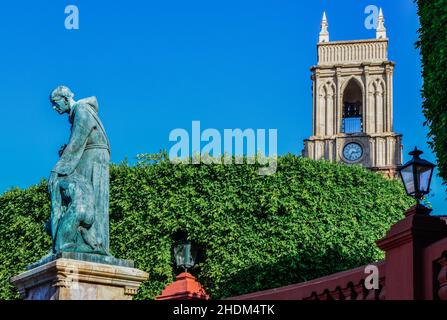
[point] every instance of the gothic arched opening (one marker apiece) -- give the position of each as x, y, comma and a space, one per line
352, 121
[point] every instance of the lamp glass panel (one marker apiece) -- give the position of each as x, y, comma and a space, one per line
408, 179
424, 174
185, 255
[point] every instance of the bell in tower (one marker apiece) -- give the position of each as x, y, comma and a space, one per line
352, 121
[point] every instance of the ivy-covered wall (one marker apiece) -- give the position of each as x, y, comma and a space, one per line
310, 219
433, 45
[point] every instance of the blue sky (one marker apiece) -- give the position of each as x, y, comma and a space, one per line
158, 65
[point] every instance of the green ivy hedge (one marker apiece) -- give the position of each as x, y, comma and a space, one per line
310, 219
433, 45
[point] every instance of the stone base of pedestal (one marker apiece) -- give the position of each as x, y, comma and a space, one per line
67, 279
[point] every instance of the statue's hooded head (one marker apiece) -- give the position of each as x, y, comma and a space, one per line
62, 99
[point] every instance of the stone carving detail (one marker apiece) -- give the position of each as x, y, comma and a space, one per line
326, 119
378, 115
130, 291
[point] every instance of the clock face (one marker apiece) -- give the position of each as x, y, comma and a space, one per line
352, 151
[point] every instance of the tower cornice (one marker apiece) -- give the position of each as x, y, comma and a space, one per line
351, 41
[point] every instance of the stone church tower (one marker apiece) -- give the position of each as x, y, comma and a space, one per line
352, 88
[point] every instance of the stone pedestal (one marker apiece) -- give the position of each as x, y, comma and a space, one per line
69, 279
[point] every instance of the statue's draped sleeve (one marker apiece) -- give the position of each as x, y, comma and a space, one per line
82, 126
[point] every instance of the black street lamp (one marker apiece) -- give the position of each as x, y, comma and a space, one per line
185, 253
416, 175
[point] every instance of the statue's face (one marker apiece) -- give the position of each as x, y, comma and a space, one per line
61, 106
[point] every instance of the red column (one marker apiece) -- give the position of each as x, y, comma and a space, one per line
403, 245
186, 287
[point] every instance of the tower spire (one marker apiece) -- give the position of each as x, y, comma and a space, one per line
381, 30
324, 33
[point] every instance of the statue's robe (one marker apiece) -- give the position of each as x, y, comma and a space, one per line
80, 202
